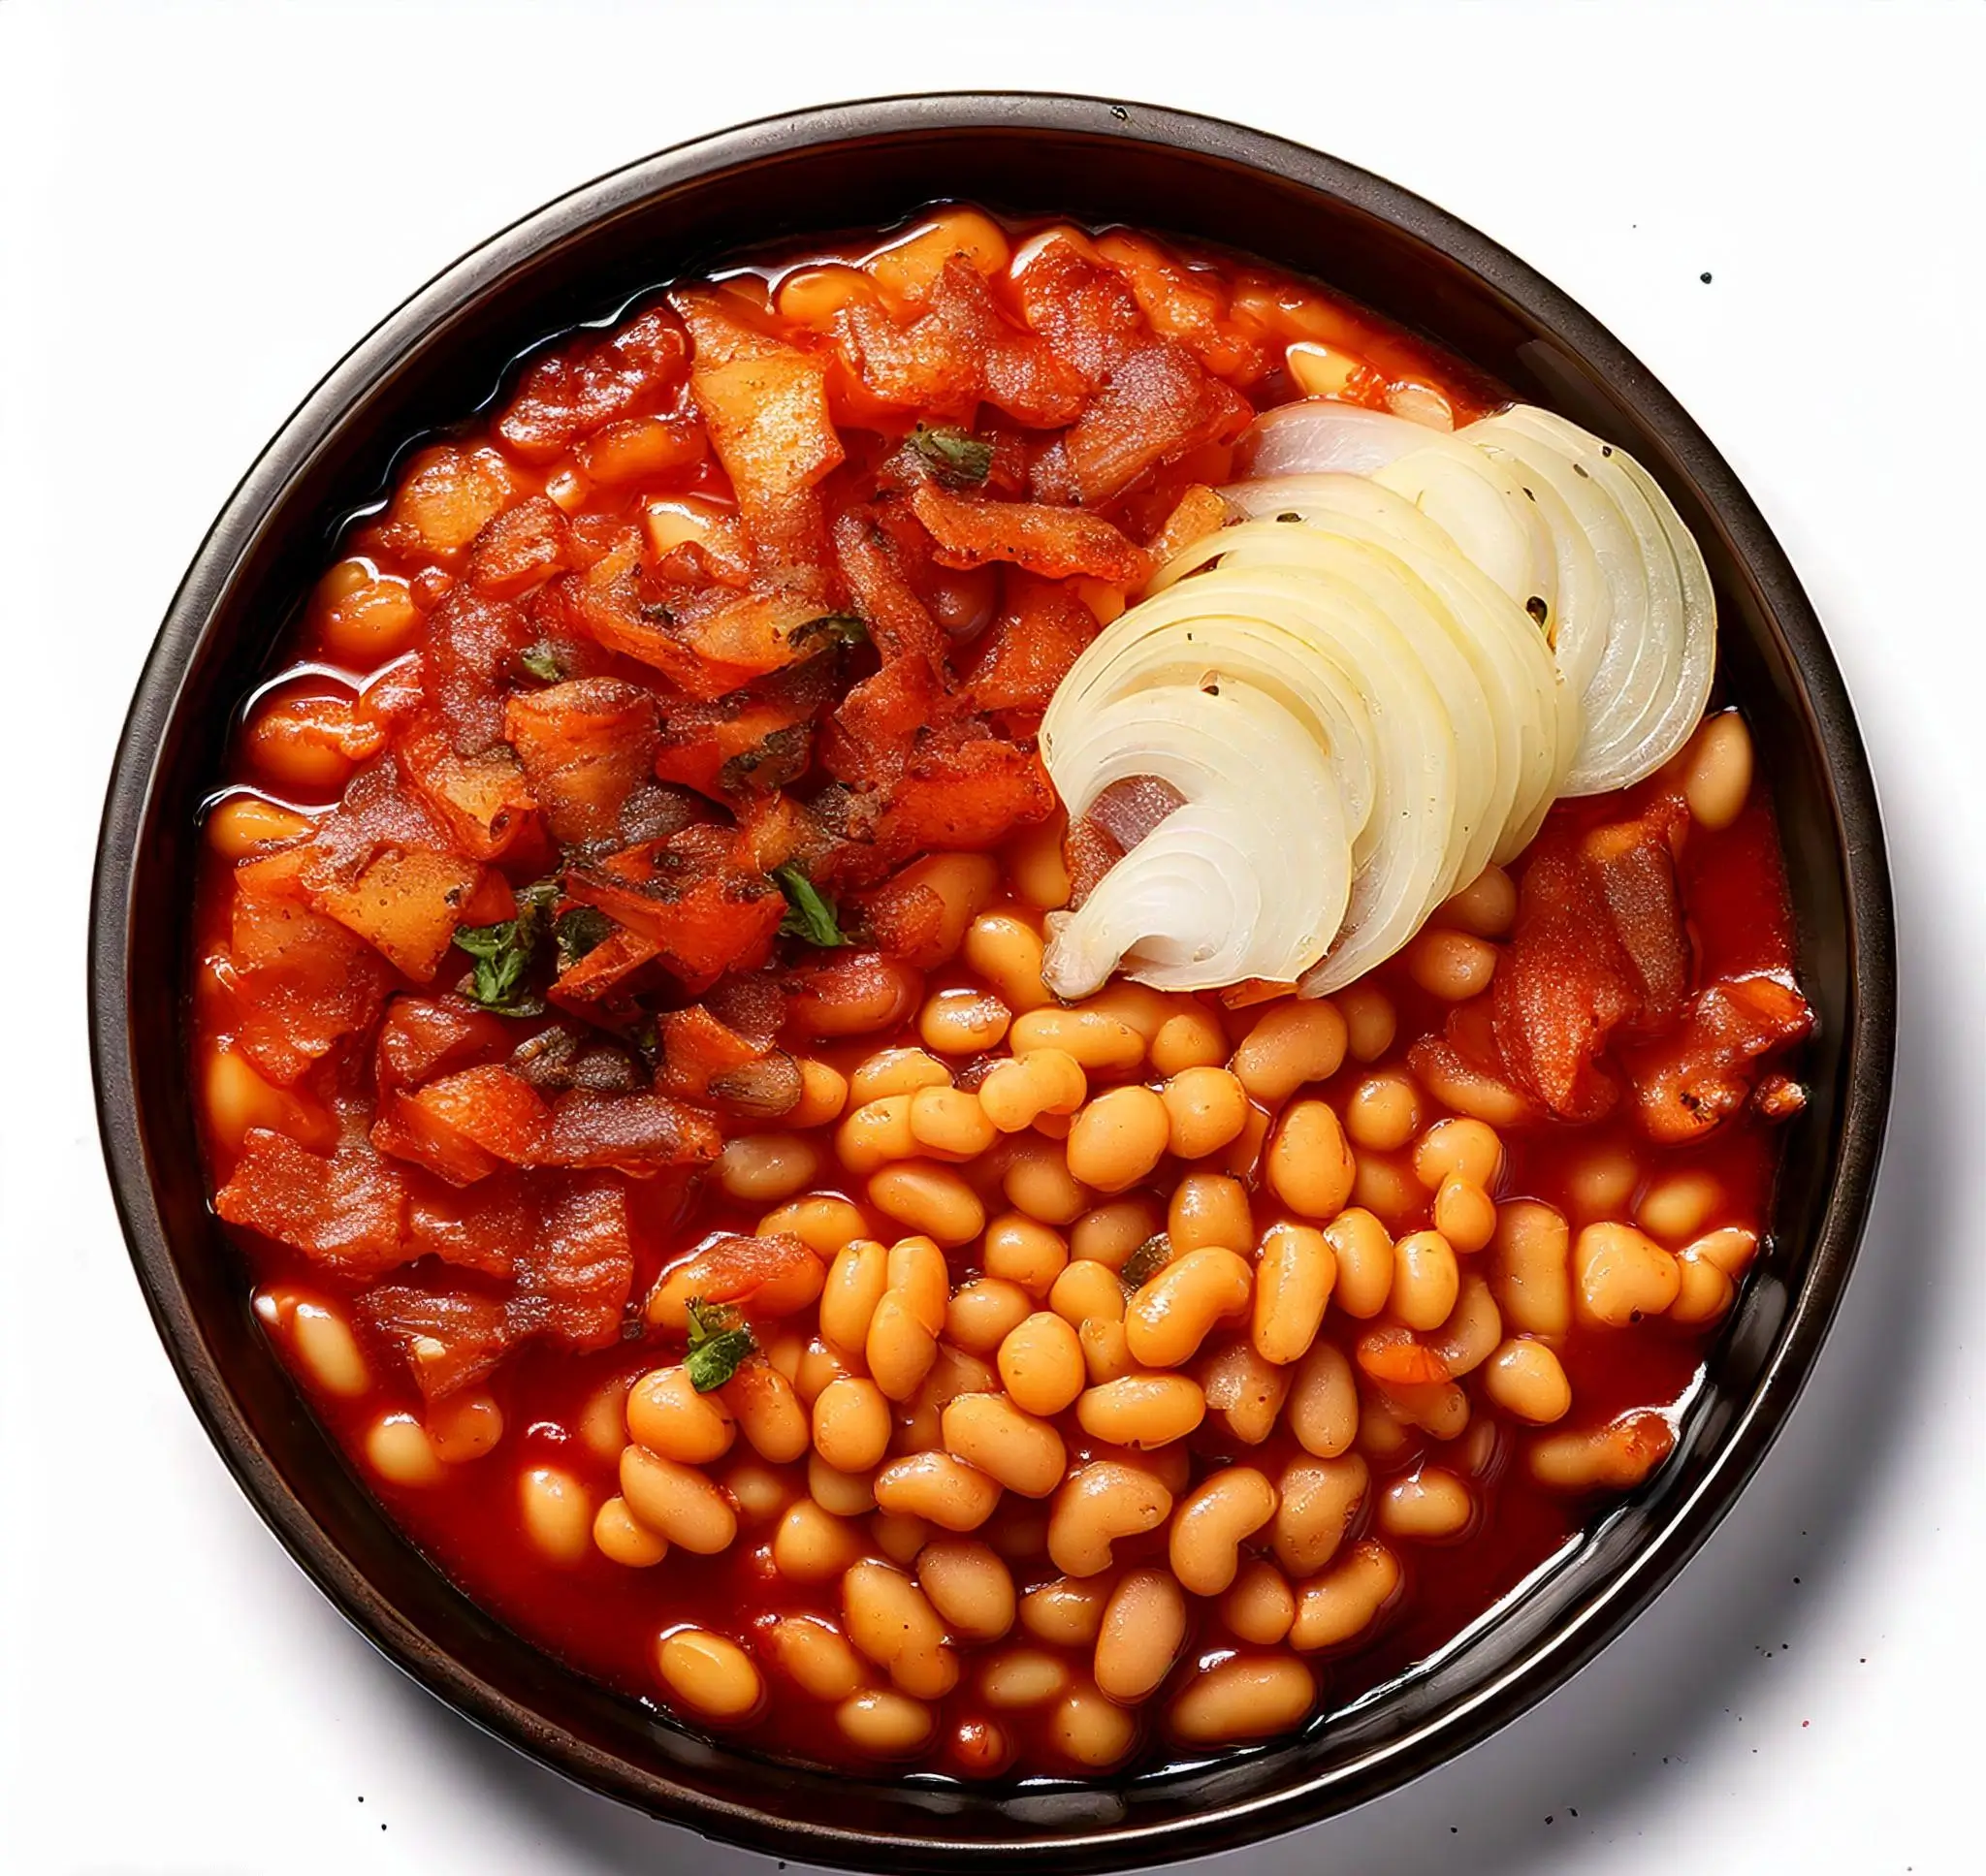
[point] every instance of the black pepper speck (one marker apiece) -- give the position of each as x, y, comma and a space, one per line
1705, 278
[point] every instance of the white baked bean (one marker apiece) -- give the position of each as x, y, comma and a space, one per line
843, 1494
984, 1313
1716, 772
1006, 950
950, 1122
397, 1448
1383, 1113
1091, 1731
1371, 1021
1145, 1629
1102, 1502
962, 1022
939, 1488
760, 1492
1616, 1457
1531, 1270
1105, 1351
823, 1224
1042, 1364
677, 1502
1118, 1138
1092, 1039
855, 1283
1037, 1182
1429, 1506
1022, 1677
1190, 1038
969, 1586
767, 1412
1425, 1280
1473, 1329
896, 1071
1602, 1184
815, 1656
1024, 1251
1244, 1394
1294, 1274
464, 1427
1211, 1524
875, 1132
1679, 1206
1461, 1148
1345, 1602
1261, 1606
1486, 905
1170, 1317
759, 1168
666, 1414
1621, 1275
1317, 1501
710, 1673
1292, 1042
1141, 1410
1018, 1451
328, 1349
1021, 1090
823, 1094
1323, 1407
1107, 1234
1703, 1292
1364, 1249
1464, 1214
558, 1515
1527, 1380
1450, 964
891, 1620
1310, 1165
1247, 1697
886, 1724
624, 1539
1210, 1208
1085, 1292
930, 1198
852, 1424
1205, 1110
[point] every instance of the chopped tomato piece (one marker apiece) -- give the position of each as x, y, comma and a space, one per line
601, 982
1685, 1086
1053, 541
487, 1227
445, 501
482, 798
850, 993
472, 645
425, 1037
466, 1125
451, 1339
632, 1133
574, 1278
1158, 405
956, 794
1394, 1354
898, 620
302, 981
520, 549
346, 1210
754, 740
1042, 630
1085, 311
704, 1058
1634, 867
870, 736
573, 393
1020, 374
585, 746
407, 905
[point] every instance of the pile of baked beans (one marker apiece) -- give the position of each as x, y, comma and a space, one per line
1142, 1346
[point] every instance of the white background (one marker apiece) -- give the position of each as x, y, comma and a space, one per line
200, 206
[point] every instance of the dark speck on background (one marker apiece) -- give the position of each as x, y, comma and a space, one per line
1705, 278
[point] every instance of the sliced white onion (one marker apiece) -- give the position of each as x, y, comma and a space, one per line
1248, 878
1319, 433
1538, 719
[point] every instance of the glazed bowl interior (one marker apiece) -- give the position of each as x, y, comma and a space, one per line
684, 211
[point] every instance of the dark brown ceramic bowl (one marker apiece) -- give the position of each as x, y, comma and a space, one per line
859, 165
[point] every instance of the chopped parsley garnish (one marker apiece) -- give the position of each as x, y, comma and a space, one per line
503, 954
809, 914
955, 453
719, 1345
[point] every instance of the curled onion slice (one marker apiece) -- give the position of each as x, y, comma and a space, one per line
1320, 433
1249, 877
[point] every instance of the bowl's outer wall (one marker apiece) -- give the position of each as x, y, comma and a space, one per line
863, 164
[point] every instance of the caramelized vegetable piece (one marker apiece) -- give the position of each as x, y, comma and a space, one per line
960, 793
520, 549
752, 740
573, 393
704, 1058
1041, 631
1686, 1087
638, 1134
585, 746
472, 645
1053, 541
451, 1339
302, 981
574, 1279
463, 1126
482, 798
1158, 405
345, 1209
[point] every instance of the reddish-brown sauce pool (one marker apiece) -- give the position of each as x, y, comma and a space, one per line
646, 536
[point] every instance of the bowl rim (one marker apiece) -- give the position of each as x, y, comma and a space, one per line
1547, 1661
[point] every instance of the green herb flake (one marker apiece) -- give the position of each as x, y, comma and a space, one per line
809, 914
955, 453
543, 662
1147, 1261
503, 954
719, 1345
578, 930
